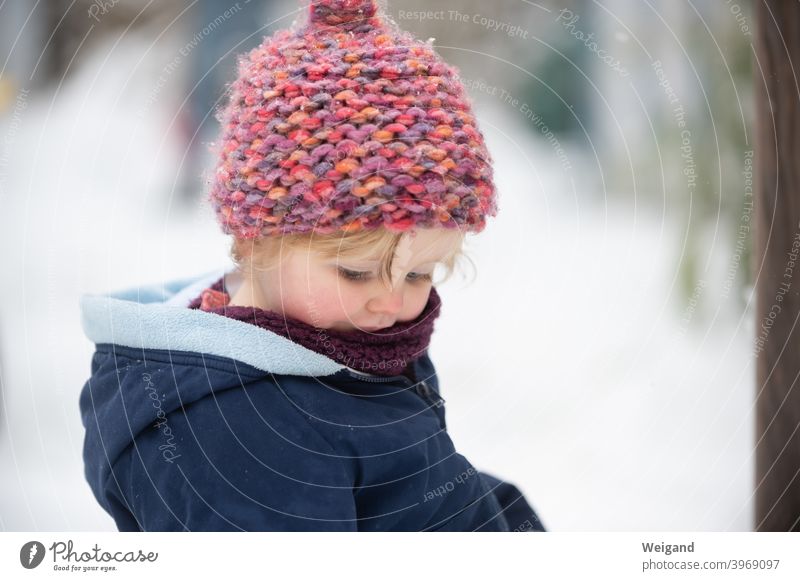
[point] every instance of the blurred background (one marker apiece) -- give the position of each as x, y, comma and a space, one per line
602, 357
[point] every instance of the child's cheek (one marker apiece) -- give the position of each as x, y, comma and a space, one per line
319, 305
415, 303
333, 305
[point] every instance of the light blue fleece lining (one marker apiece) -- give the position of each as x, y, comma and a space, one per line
156, 317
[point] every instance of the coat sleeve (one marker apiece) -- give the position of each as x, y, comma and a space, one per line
520, 515
231, 463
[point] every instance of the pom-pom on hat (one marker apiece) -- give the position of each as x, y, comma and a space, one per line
345, 122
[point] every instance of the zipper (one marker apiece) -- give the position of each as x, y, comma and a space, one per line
429, 394
422, 389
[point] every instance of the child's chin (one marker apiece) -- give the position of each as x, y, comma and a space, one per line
371, 329
337, 326
345, 327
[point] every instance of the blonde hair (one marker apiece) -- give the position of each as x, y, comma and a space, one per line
263, 254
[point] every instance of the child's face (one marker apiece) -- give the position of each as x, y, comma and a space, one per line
344, 293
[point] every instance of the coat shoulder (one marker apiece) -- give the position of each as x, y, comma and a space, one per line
224, 451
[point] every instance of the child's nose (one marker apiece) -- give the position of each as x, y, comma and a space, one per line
389, 301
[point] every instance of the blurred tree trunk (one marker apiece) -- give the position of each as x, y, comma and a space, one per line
777, 270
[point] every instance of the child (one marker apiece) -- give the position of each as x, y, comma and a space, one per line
295, 391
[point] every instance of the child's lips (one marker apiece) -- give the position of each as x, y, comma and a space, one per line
372, 328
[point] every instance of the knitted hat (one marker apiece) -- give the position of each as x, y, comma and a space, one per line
345, 122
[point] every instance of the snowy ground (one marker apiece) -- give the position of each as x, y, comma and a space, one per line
571, 366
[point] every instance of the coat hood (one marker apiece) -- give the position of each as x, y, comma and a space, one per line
148, 342
156, 317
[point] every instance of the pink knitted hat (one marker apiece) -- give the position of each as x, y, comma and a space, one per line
345, 122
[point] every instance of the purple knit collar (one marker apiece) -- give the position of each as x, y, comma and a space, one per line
386, 352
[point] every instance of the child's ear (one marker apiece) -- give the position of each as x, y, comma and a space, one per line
252, 254
242, 251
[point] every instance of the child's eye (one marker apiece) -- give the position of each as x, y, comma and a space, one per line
417, 276
353, 274
357, 275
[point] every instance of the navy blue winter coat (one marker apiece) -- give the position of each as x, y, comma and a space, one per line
199, 422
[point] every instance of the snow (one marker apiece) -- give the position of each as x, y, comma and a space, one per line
571, 366
590, 382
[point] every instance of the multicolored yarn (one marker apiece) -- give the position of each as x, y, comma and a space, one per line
347, 123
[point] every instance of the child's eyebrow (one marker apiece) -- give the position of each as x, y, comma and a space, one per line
357, 260
373, 263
